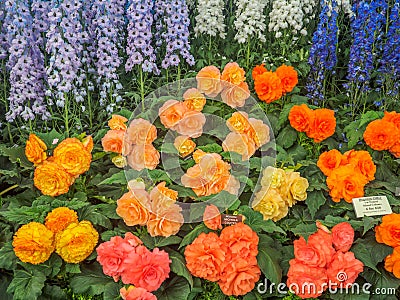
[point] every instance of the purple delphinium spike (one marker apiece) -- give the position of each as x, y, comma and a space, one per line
65, 45
139, 48
40, 13
389, 70
173, 26
25, 64
366, 29
108, 31
3, 38
323, 57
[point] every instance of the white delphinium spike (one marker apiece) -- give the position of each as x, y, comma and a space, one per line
210, 18
250, 20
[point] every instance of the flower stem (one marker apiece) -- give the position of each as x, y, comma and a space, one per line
8, 189
141, 87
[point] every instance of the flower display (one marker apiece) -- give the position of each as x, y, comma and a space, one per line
323, 258
384, 134
280, 190
33, 243
318, 124
347, 174
229, 259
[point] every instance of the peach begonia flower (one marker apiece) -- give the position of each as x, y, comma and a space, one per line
238, 122
232, 74
113, 141
133, 207
209, 81
236, 95
135, 293
143, 156
141, 132
35, 150
165, 222
171, 113
184, 145
212, 217
191, 124
117, 122
194, 99
239, 143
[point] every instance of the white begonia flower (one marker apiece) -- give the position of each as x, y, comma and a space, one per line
250, 20
210, 18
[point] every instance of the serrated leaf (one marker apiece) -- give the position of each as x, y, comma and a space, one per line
168, 148
91, 281
7, 257
363, 254
90, 213
193, 234
53, 292
314, 201
17, 155
72, 268
211, 148
381, 280
50, 268
286, 137
159, 175
166, 241
49, 137
268, 260
111, 291
255, 220
26, 285
284, 114
369, 223
178, 265
25, 214
117, 178
176, 289
304, 230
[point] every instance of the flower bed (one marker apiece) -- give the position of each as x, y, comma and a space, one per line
199, 149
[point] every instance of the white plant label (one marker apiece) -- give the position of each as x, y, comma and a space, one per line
371, 206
